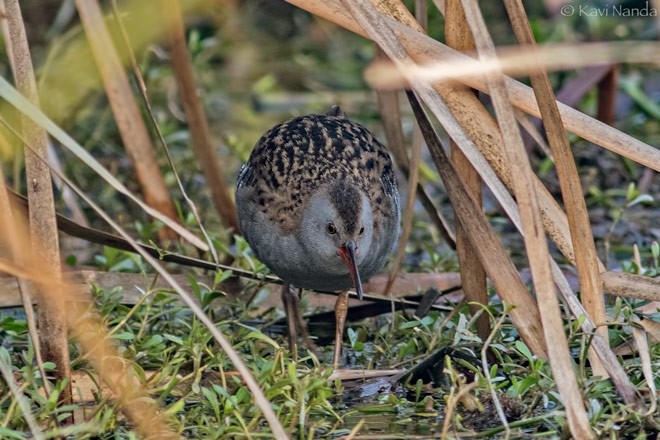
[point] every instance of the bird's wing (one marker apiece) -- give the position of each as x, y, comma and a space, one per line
388, 180
245, 176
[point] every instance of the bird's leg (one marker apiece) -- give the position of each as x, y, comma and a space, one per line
295, 324
291, 308
301, 327
341, 310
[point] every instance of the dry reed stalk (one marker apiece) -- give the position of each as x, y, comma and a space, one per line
607, 90
517, 61
479, 125
622, 284
43, 226
600, 344
127, 114
413, 184
586, 259
474, 119
196, 119
331, 11
15, 253
573, 90
413, 181
458, 36
388, 105
491, 253
536, 245
137, 75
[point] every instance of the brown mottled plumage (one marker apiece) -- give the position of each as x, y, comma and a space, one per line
318, 202
338, 148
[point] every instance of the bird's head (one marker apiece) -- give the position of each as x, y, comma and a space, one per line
336, 229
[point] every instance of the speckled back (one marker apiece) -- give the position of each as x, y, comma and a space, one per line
294, 158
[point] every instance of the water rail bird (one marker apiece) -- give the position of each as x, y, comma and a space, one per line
318, 203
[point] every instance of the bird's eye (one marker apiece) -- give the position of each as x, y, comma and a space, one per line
362, 230
331, 228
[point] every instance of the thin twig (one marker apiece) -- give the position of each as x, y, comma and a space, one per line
154, 123
486, 369
195, 117
131, 126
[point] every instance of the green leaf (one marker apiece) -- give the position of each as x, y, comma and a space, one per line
524, 350
222, 275
154, 340
177, 340
632, 192
4, 355
125, 336
633, 87
10, 433
410, 324
642, 198
212, 399
49, 366
352, 336
261, 337
176, 407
